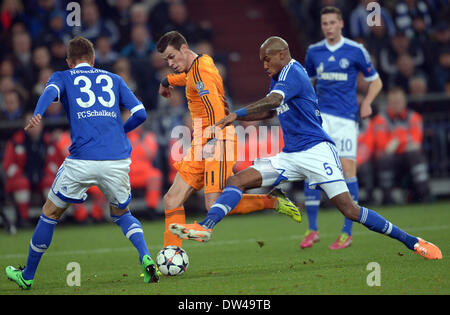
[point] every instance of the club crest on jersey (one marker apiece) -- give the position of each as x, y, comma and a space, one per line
344, 63
200, 86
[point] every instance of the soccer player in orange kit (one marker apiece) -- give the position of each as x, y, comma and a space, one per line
207, 105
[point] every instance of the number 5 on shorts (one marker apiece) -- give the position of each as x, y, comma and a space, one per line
327, 168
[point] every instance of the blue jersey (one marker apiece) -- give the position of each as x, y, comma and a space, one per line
299, 113
335, 69
91, 99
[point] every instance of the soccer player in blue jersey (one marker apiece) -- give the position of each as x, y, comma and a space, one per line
99, 154
309, 153
334, 64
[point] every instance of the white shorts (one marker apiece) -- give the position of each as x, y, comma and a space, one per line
319, 165
75, 177
344, 133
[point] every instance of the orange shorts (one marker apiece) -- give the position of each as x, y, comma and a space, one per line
210, 173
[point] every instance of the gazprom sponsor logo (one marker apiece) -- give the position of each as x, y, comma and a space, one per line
333, 76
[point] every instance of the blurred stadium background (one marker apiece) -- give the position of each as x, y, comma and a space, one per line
410, 50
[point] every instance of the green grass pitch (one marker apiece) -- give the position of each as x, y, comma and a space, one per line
255, 254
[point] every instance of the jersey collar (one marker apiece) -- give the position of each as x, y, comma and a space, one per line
336, 46
198, 56
285, 67
83, 64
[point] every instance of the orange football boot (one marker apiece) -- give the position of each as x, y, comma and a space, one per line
194, 231
427, 249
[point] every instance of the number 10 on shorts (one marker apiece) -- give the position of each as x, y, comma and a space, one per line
346, 145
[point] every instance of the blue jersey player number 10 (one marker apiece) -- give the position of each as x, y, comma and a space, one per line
334, 64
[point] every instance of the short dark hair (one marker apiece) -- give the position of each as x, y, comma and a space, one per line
173, 38
80, 48
330, 10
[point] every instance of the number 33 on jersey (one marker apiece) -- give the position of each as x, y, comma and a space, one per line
91, 99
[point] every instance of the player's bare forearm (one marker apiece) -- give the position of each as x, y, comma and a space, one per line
264, 105
372, 92
374, 88
259, 116
34, 121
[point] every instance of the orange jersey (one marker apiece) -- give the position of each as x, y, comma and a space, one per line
206, 97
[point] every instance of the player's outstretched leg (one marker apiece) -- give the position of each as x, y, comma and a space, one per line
150, 269
175, 215
254, 202
227, 201
132, 229
195, 231
285, 205
345, 239
15, 275
40, 242
202, 231
377, 223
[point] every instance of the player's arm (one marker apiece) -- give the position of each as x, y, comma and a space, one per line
260, 116
375, 87
138, 116
167, 84
364, 64
263, 106
130, 102
51, 93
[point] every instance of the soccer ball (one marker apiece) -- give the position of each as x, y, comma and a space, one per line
172, 261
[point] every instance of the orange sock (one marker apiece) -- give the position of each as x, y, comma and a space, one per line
175, 215
253, 202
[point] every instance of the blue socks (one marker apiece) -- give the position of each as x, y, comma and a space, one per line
43, 234
132, 229
40, 242
312, 203
377, 223
368, 218
227, 201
